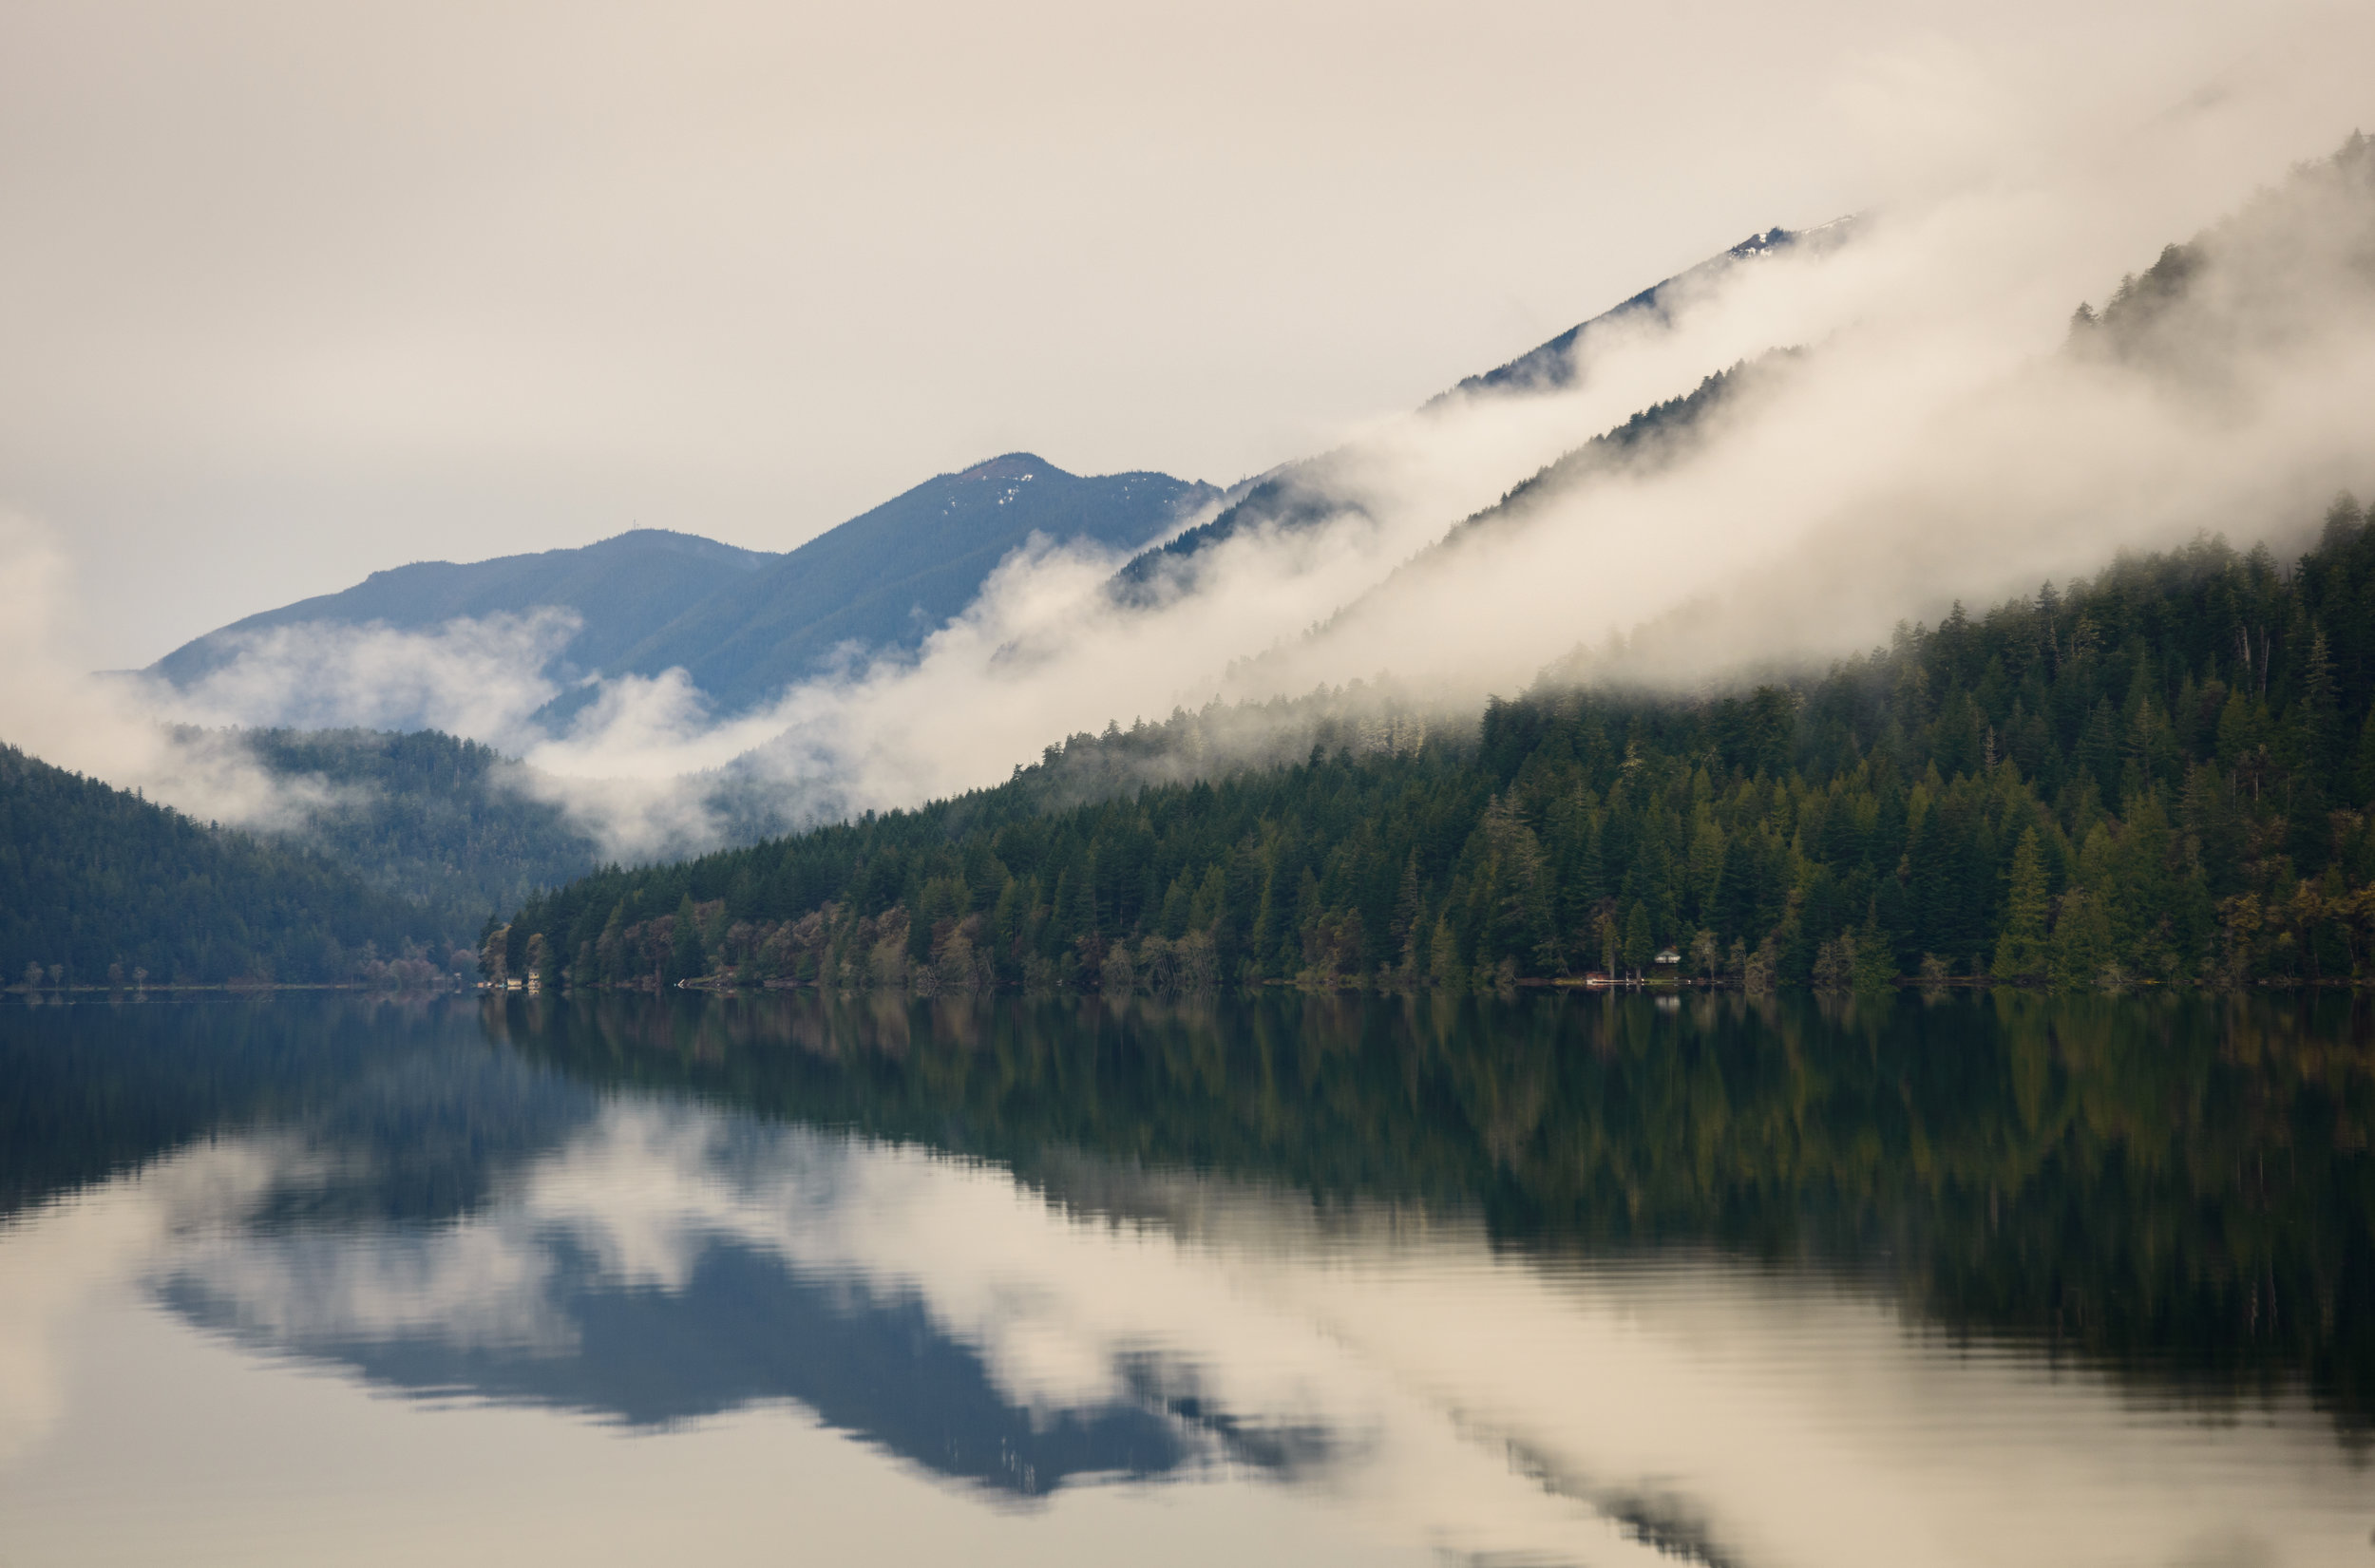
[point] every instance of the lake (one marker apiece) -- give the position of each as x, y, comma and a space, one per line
1746, 1283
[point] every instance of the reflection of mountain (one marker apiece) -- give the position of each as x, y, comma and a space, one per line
386, 1239
2180, 1188
2184, 1187
1462, 1265
740, 1328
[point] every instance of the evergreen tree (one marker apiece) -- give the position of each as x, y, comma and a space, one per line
1443, 965
2021, 950
1640, 944
2080, 946
1871, 964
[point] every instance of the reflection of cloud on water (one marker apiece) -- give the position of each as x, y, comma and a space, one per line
472, 1287
661, 1263
53, 1258
667, 1264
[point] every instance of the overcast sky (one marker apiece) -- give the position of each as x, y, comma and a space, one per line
292, 292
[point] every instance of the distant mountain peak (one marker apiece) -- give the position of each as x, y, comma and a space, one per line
672, 539
1300, 494
634, 541
1557, 365
1014, 465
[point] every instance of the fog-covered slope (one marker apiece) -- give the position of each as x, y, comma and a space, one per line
442, 822
1314, 489
1564, 360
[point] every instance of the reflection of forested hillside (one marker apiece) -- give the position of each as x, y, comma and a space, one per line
419, 1107
2178, 1187
2173, 1184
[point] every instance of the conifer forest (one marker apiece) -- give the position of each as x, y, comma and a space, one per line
2164, 775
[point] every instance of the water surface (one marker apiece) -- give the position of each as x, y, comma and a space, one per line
1567, 1279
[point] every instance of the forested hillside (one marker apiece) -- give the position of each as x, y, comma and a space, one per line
98, 886
440, 821
2164, 774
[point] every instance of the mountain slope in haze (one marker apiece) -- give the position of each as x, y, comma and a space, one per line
1308, 491
2278, 271
746, 623
889, 577
622, 588
1653, 439
2294, 266
1656, 437
1563, 361
1297, 495
92, 877
2165, 773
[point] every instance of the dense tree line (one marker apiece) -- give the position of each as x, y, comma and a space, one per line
2163, 774
100, 887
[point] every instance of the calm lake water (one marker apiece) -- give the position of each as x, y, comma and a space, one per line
1561, 1280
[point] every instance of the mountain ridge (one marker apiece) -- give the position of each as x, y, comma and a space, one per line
1297, 494
892, 575
746, 623
640, 567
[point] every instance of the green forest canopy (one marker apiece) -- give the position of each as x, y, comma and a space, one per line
2162, 774
447, 823
99, 886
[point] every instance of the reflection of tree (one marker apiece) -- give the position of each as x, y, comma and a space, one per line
2173, 1184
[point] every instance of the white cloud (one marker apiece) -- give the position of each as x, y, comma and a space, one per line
482, 678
